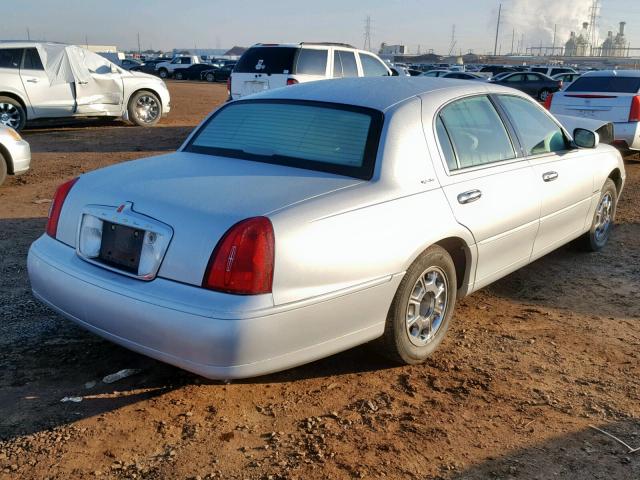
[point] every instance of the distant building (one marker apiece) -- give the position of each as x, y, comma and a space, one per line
392, 49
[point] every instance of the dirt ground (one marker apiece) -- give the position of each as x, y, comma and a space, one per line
529, 364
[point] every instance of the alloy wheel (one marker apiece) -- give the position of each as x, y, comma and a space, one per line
9, 115
147, 108
603, 217
426, 307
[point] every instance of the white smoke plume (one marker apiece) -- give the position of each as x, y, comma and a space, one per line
536, 19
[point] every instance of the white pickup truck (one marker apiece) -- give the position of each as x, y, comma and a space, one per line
166, 69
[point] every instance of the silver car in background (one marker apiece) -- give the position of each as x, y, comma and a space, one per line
15, 153
307, 220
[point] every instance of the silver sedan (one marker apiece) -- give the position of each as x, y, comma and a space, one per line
300, 222
15, 154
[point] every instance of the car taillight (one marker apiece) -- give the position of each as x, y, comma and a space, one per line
547, 102
292, 81
56, 206
634, 113
242, 262
229, 84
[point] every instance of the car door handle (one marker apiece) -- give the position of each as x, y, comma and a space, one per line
32, 80
470, 196
549, 176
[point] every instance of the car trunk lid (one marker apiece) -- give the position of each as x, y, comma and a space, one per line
199, 196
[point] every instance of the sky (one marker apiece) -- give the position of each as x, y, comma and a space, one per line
424, 24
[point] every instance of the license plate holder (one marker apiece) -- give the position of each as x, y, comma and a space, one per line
121, 246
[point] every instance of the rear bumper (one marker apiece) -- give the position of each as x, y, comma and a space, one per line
178, 324
627, 135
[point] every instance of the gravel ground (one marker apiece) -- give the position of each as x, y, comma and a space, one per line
529, 364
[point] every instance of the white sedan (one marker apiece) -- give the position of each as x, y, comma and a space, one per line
300, 222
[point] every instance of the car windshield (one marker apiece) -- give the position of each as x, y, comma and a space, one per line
267, 60
606, 84
326, 137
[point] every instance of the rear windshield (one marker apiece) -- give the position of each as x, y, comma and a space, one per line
605, 84
327, 137
269, 60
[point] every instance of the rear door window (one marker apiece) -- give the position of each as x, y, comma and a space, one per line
606, 84
515, 78
476, 131
10, 57
334, 138
344, 64
538, 133
372, 67
311, 62
32, 60
268, 60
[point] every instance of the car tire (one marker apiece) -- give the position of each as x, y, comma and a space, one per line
418, 308
145, 108
163, 73
3, 169
210, 77
178, 76
12, 114
603, 218
543, 94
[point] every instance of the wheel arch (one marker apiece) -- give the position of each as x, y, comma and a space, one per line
145, 89
18, 99
461, 252
616, 176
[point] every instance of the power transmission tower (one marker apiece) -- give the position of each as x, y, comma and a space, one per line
495, 45
367, 33
452, 45
592, 33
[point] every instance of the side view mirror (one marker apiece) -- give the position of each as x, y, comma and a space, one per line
584, 138
394, 73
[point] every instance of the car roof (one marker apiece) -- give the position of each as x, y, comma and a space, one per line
612, 73
25, 43
379, 93
301, 44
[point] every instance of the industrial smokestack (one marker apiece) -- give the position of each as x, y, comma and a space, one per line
622, 24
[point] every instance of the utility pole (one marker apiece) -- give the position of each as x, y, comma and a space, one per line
495, 45
367, 33
513, 37
553, 49
139, 49
28, 34
86, 41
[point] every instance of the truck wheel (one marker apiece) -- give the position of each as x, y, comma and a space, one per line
602, 224
145, 109
12, 114
422, 308
3, 169
163, 73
